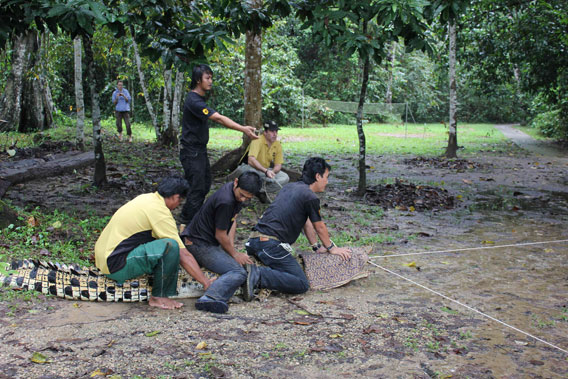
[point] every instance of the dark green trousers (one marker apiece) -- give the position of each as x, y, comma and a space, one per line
160, 258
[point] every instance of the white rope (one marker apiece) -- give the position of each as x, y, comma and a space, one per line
466, 249
470, 308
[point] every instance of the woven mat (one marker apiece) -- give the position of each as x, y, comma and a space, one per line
326, 271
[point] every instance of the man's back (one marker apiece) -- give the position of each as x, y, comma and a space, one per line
286, 216
217, 213
139, 221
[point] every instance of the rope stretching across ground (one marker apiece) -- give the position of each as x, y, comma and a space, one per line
458, 302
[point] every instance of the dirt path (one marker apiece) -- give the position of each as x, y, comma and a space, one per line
382, 326
526, 142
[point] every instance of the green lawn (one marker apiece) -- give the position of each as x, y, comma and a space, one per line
415, 139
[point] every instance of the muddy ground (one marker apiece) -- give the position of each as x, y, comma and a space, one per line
381, 326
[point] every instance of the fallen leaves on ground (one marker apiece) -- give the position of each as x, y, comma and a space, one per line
452, 164
409, 197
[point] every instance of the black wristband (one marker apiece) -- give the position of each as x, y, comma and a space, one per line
316, 246
328, 248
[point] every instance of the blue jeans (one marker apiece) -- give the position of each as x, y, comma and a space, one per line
232, 274
283, 273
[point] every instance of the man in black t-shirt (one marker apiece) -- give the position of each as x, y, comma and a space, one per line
295, 208
194, 138
210, 239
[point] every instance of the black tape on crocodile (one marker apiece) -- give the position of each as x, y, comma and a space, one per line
324, 271
74, 282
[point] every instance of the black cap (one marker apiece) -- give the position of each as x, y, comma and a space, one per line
271, 125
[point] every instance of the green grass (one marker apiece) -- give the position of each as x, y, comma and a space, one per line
415, 139
54, 235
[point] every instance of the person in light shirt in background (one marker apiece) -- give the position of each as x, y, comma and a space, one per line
121, 100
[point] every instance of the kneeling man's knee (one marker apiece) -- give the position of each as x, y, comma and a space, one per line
305, 285
172, 246
302, 286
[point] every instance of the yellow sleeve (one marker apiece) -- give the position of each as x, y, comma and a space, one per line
279, 155
165, 227
255, 147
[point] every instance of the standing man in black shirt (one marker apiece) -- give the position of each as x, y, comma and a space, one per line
295, 208
194, 138
210, 238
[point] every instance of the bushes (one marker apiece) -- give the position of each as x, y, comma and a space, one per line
549, 124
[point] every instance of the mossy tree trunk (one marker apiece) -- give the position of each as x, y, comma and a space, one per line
99, 178
452, 148
253, 96
24, 103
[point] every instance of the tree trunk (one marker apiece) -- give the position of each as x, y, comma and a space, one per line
79, 96
44, 84
168, 136
144, 88
10, 104
37, 168
253, 80
253, 96
23, 103
99, 178
176, 105
8, 216
362, 187
390, 68
452, 149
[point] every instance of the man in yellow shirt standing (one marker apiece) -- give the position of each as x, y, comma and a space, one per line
142, 238
265, 158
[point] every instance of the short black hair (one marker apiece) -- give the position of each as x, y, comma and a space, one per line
173, 185
313, 166
197, 74
250, 181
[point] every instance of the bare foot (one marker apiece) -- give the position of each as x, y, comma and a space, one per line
130, 139
164, 303
120, 137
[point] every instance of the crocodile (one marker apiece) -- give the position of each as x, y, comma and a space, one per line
70, 281
82, 283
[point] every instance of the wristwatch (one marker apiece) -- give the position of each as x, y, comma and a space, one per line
328, 248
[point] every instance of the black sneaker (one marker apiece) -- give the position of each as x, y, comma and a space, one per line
205, 303
248, 286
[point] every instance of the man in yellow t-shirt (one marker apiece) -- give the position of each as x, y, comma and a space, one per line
142, 238
265, 158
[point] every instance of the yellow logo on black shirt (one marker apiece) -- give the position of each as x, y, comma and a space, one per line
205, 111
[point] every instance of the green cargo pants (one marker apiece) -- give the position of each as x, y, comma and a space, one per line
159, 258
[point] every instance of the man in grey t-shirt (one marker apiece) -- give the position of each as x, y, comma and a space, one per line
296, 208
